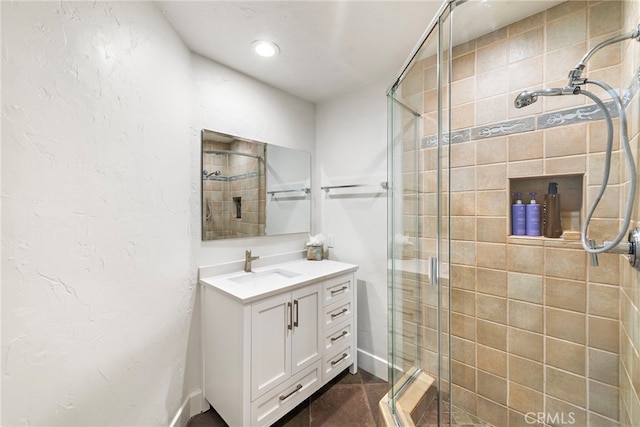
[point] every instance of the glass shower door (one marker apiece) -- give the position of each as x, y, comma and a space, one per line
418, 237
404, 265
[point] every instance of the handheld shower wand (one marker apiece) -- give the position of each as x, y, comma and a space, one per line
527, 98
573, 88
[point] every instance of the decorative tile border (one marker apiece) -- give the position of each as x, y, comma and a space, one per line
575, 115
232, 178
244, 176
217, 178
457, 136
505, 128
542, 121
632, 89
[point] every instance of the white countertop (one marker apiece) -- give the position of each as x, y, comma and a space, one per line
306, 272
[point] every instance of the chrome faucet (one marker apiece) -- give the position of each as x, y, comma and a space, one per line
247, 260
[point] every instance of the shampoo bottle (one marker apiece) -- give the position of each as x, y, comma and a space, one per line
518, 217
552, 224
533, 216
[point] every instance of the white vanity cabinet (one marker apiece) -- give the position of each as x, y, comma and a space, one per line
284, 337
338, 322
266, 352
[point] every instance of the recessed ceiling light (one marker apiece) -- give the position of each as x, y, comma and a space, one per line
265, 48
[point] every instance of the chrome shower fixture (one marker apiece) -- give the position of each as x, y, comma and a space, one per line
206, 174
527, 98
576, 80
575, 75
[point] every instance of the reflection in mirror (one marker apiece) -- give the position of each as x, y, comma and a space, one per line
233, 197
251, 188
288, 187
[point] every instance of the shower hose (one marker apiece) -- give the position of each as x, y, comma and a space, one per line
587, 244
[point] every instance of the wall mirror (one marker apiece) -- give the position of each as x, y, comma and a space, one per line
252, 188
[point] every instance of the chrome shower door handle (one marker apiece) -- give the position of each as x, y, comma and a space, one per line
434, 271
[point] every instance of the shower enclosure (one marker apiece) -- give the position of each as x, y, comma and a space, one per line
492, 328
233, 189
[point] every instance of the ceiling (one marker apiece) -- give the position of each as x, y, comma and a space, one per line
326, 47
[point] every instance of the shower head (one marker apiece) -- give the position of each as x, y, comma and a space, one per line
206, 174
527, 98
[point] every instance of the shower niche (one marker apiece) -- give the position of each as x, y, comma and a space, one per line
571, 191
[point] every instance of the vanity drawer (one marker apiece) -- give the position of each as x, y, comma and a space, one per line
337, 312
274, 404
338, 335
338, 288
335, 362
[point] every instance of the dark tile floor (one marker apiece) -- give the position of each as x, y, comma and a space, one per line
348, 400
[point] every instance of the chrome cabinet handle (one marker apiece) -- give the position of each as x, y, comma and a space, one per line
285, 396
344, 310
337, 291
335, 362
339, 336
290, 315
295, 304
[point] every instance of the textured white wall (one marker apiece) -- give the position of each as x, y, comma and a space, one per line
352, 149
101, 111
96, 165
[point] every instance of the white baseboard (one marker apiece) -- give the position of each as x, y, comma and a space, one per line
192, 405
373, 364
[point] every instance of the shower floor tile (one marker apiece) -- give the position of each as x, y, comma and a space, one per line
458, 417
348, 400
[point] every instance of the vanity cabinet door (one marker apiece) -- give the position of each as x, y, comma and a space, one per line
285, 337
306, 343
270, 343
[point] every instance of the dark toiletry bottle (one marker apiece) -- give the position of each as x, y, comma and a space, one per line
551, 212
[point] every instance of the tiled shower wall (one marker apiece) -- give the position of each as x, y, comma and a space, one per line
214, 221
240, 177
535, 329
629, 338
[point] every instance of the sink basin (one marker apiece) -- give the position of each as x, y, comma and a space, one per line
267, 277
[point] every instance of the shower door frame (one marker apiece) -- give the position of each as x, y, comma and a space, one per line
395, 200
440, 263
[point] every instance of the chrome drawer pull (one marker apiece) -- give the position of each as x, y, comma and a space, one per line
344, 310
298, 388
290, 316
335, 362
337, 291
339, 336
